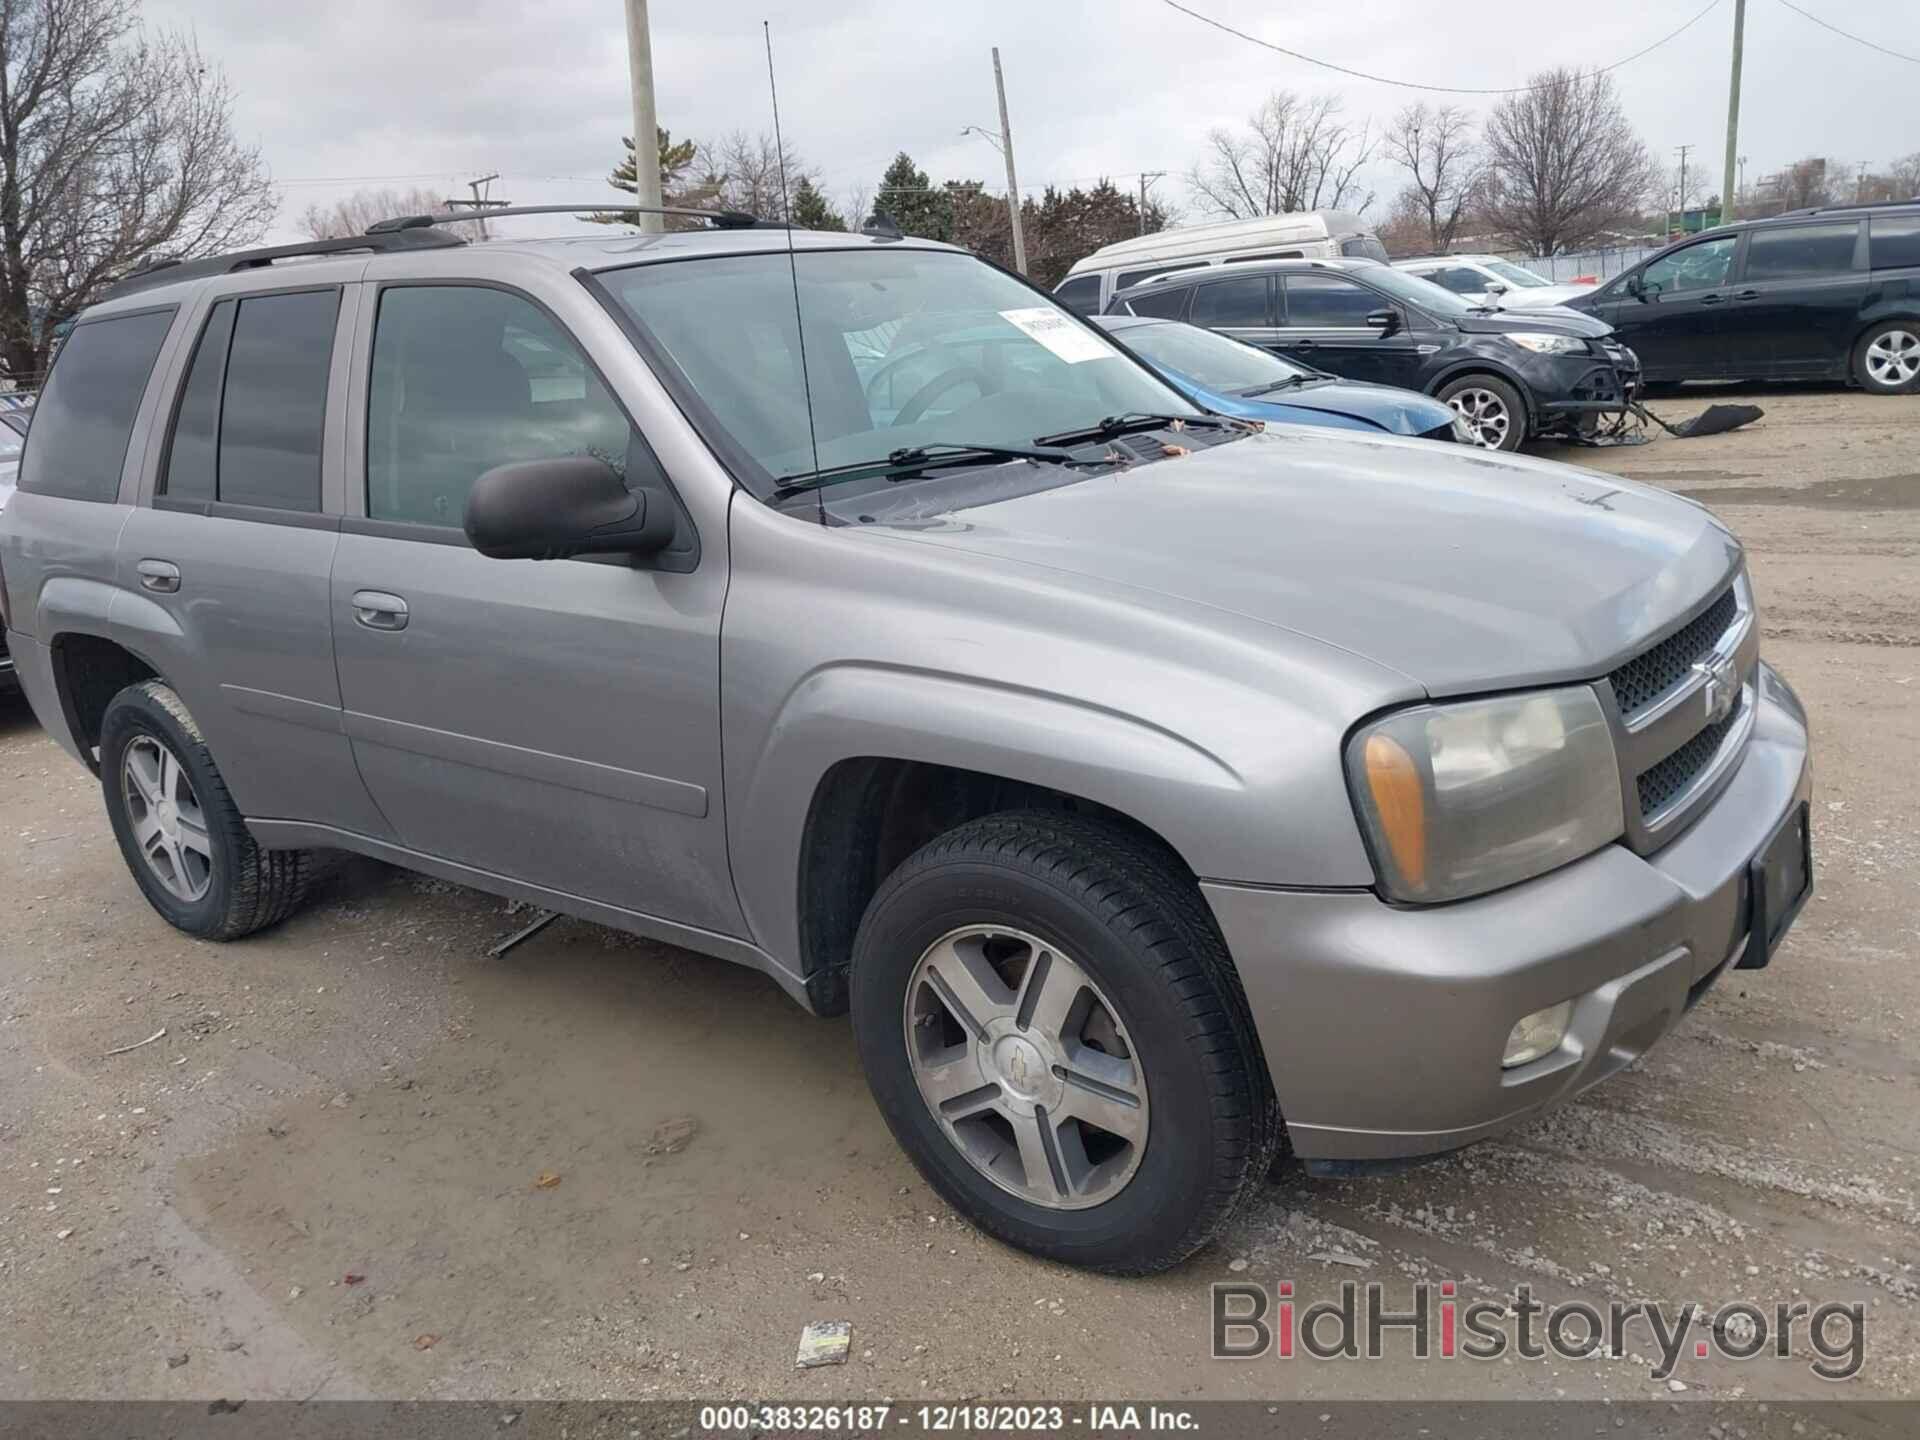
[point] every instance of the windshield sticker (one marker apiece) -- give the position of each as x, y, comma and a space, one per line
1060, 333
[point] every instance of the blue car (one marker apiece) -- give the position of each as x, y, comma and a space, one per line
1234, 378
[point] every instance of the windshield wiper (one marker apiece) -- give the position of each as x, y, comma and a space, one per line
1287, 384
1116, 425
916, 459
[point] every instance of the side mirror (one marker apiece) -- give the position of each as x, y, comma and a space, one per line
1385, 321
1496, 287
1635, 287
573, 505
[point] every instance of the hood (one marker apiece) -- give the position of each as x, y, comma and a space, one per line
1463, 570
1400, 412
1554, 318
1536, 296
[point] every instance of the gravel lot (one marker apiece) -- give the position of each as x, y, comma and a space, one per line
363, 1094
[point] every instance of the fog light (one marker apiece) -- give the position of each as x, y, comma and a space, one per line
1537, 1034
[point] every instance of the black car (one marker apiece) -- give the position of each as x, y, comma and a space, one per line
1831, 294
1510, 375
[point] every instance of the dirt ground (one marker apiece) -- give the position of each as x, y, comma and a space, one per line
322, 1181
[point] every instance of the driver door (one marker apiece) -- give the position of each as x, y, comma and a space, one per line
1677, 323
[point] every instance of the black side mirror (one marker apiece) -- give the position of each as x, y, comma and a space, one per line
1385, 321
573, 505
1635, 287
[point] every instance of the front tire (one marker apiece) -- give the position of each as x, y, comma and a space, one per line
1886, 360
179, 830
1493, 410
1052, 1027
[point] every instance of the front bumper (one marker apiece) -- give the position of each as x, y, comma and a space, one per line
1384, 1026
1569, 388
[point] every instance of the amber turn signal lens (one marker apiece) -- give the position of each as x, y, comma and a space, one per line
1394, 782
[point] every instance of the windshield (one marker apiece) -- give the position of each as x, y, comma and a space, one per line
1514, 275
1424, 293
1208, 359
904, 348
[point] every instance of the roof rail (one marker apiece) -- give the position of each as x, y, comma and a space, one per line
404, 224
1836, 209
169, 270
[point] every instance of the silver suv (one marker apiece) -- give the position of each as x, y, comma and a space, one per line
1155, 790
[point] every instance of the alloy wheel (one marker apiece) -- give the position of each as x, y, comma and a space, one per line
1027, 1066
169, 825
1894, 358
1486, 416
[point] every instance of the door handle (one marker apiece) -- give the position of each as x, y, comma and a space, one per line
378, 610
1714, 299
1746, 295
160, 576
1300, 344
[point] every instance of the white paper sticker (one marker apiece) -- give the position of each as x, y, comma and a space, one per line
1065, 337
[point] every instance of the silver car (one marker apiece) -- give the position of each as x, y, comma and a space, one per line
1156, 791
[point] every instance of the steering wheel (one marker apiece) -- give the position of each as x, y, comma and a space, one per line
946, 380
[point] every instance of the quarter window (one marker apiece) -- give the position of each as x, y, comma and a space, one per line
1326, 302
274, 410
84, 418
1133, 277
1081, 293
194, 451
1781, 252
466, 378
1894, 241
1230, 304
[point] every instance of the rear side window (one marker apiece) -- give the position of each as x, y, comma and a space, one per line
1457, 278
1162, 304
193, 452
1081, 293
1894, 241
1783, 252
275, 407
1229, 304
1134, 277
84, 418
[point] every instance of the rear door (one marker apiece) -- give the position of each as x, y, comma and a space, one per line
1798, 299
224, 574
1236, 305
555, 722
1324, 323
1677, 324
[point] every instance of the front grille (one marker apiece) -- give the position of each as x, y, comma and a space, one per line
1672, 775
1650, 674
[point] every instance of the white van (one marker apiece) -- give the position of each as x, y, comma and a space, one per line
1302, 235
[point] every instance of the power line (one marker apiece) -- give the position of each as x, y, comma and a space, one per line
1439, 89
1847, 34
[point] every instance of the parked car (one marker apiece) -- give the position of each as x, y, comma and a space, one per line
1325, 234
1826, 294
13, 434
1509, 377
1150, 788
1231, 377
1490, 280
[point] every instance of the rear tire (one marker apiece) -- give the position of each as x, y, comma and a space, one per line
1492, 409
179, 830
1886, 360
1088, 951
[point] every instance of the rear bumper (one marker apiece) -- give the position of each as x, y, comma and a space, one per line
1384, 1026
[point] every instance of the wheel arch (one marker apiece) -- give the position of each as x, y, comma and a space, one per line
89, 669
1873, 318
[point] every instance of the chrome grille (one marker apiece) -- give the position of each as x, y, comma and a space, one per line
1652, 673
1659, 785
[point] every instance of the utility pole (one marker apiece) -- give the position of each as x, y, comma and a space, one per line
480, 203
1682, 196
646, 141
1860, 184
1013, 185
1733, 111
1147, 177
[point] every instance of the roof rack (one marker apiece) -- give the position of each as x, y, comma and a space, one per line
170, 270
405, 224
1837, 209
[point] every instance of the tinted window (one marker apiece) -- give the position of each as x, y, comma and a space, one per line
1776, 253
1698, 267
1328, 301
1227, 303
84, 417
1134, 277
1894, 241
1163, 304
1081, 293
275, 407
467, 378
1366, 247
1457, 278
192, 453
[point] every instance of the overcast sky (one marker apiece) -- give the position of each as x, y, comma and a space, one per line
370, 93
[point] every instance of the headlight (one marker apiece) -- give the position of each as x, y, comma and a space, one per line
1463, 432
1460, 799
1542, 343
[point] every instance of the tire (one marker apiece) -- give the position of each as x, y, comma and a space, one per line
1492, 407
1886, 360
207, 876
1162, 1017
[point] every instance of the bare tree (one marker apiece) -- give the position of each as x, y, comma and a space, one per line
1436, 147
1295, 154
116, 146
1564, 164
743, 173
1904, 178
354, 214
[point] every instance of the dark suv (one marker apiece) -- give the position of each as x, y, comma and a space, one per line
1510, 375
1829, 294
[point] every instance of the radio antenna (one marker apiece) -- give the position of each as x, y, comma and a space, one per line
793, 270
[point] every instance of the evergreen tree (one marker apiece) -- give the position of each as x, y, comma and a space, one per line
676, 159
910, 199
811, 210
